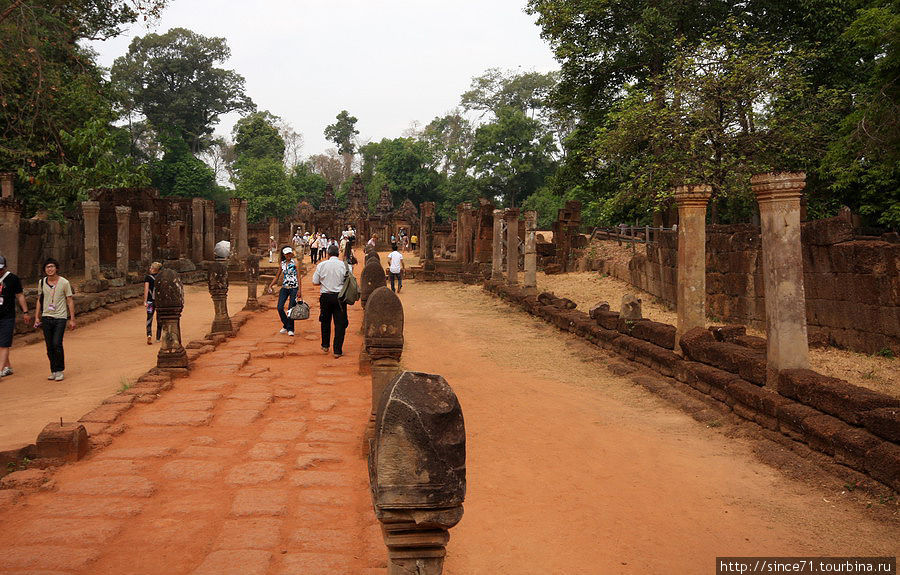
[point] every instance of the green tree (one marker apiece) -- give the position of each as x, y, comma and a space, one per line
343, 133
405, 165
306, 185
172, 79
180, 173
264, 184
450, 139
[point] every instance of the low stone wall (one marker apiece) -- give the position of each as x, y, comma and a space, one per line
857, 427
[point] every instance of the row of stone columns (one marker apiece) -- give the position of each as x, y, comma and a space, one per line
240, 248
511, 218
778, 196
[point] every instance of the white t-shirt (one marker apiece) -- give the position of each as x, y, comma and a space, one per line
396, 259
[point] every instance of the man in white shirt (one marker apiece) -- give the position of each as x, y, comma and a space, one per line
329, 275
371, 241
396, 268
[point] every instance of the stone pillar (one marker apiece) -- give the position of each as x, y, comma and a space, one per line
218, 289
10, 217
198, 206
273, 232
417, 469
169, 302
428, 236
244, 246
209, 229
497, 256
460, 233
123, 226
146, 239
530, 281
690, 286
252, 280
91, 211
7, 186
383, 332
234, 225
511, 215
778, 195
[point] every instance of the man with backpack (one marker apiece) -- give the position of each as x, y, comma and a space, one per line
330, 275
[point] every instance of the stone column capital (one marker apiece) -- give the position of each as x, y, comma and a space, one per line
510, 214
90, 207
235, 203
210, 204
146, 217
498, 213
7, 176
693, 195
530, 218
123, 211
778, 186
9, 205
198, 202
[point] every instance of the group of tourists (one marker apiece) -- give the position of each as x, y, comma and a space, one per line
54, 312
317, 244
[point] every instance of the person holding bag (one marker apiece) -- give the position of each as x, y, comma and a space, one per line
290, 289
55, 310
330, 275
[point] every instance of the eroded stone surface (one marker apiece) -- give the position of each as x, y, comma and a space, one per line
259, 502
255, 473
235, 562
191, 469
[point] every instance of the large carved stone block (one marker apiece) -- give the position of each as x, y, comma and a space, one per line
218, 289
169, 303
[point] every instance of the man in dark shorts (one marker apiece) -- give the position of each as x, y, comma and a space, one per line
10, 293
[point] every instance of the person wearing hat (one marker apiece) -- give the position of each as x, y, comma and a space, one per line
273, 245
10, 293
290, 288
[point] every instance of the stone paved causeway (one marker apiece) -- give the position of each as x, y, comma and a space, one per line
252, 465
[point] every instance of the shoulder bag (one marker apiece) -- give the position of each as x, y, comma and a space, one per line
350, 290
299, 311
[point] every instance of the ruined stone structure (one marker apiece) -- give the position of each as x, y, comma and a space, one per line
10, 216
530, 280
169, 304
91, 211
511, 217
218, 289
427, 237
383, 332
252, 267
565, 232
123, 228
691, 293
497, 241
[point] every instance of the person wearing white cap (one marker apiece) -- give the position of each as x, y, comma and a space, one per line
290, 288
10, 294
273, 245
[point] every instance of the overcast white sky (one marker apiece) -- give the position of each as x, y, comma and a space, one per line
388, 62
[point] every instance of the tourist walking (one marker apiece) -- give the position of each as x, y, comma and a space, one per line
330, 275
396, 267
322, 246
150, 301
55, 312
11, 293
290, 288
273, 245
372, 240
413, 241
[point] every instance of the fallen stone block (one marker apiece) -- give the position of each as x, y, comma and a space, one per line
883, 463
831, 395
68, 441
884, 422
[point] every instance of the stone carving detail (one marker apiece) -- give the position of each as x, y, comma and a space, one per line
631, 307
417, 471
252, 281
383, 333
218, 289
372, 278
169, 304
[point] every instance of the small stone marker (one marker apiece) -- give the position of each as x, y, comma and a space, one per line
67, 441
631, 307
169, 304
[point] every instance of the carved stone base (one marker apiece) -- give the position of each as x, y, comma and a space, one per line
252, 305
416, 540
223, 326
175, 359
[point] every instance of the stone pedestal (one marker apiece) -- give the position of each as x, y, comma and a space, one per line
218, 289
6, 184
234, 225
383, 333
428, 236
243, 246
530, 280
68, 441
169, 302
511, 216
146, 239
252, 262
209, 229
497, 255
690, 285
91, 211
778, 195
198, 207
123, 226
417, 469
10, 218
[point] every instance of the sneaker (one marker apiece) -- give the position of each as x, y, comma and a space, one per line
282, 330
338, 355
6, 371
324, 350
290, 333
52, 376
149, 340
59, 376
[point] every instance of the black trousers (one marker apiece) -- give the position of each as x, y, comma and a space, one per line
150, 324
332, 309
54, 329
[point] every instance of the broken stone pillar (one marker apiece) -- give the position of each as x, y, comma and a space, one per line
123, 226
169, 302
631, 308
511, 215
497, 256
10, 219
530, 281
371, 278
778, 195
273, 232
6, 184
428, 239
217, 279
417, 471
91, 211
234, 224
252, 262
244, 246
198, 206
68, 441
209, 229
146, 238
690, 288
174, 240
383, 332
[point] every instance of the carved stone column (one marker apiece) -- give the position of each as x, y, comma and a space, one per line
428, 236
7, 187
123, 226
244, 246
383, 324
169, 303
273, 231
252, 281
218, 288
198, 206
234, 225
497, 255
10, 219
91, 211
690, 286
511, 215
530, 281
371, 278
417, 469
778, 195
209, 229
146, 239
